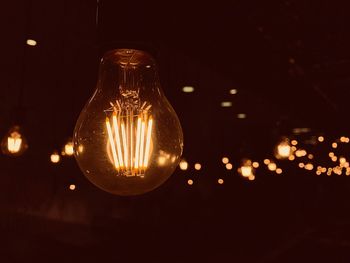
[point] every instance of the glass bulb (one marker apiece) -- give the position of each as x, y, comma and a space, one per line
283, 149
128, 139
68, 149
55, 157
13, 143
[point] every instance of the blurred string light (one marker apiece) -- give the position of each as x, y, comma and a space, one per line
283, 149
225, 160
246, 169
188, 89
55, 157
233, 91
220, 181
197, 166
229, 166
183, 165
300, 153
190, 182
72, 187
68, 149
31, 42
241, 115
14, 143
226, 104
320, 138
334, 145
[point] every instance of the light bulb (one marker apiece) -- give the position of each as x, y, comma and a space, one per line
130, 136
68, 148
283, 149
13, 143
55, 157
246, 169
183, 165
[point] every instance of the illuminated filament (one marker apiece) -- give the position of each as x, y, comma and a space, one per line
129, 141
14, 143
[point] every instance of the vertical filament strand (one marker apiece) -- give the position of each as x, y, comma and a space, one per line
130, 141
112, 144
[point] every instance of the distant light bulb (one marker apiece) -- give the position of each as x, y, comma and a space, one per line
241, 116
266, 161
246, 168
220, 181
68, 149
278, 171
55, 157
272, 166
13, 143
190, 182
31, 42
188, 89
229, 166
283, 150
72, 187
320, 138
309, 166
126, 126
183, 165
233, 91
255, 164
225, 160
334, 145
197, 166
226, 104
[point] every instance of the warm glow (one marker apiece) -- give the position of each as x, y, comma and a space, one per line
129, 141
188, 89
31, 42
310, 156
266, 161
190, 182
229, 166
72, 187
283, 150
278, 171
68, 149
241, 116
294, 142
226, 104
183, 165
220, 181
300, 153
318, 172
331, 154
246, 168
233, 91
320, 138
344, 139
14, 142
272, 166
251, 177
334, 158
255, 164
55, 157
291, 158
342, 160
225, 160
309, 166
197, 166
334, 145
301, 165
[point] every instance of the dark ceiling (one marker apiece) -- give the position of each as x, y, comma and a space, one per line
288, 60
